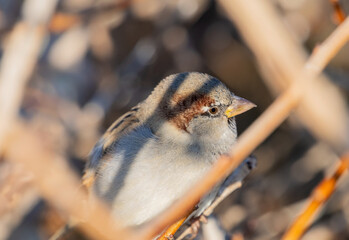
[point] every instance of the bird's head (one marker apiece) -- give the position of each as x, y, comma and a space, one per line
194, 105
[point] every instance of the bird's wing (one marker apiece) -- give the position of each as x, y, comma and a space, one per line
123, 125
106, 145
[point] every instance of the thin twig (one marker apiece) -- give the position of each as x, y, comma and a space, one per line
319, 197
271, 118
169, 233
339, 13
224, 195
231, 188
17, 196
230, 184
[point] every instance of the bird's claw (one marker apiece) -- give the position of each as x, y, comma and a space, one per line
195, 225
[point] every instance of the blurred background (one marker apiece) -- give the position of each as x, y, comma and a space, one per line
101, 57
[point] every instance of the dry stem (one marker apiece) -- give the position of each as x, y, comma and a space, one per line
169, 233
17, 196
339, 14
17, 64
230, 184
319, 197
58, 184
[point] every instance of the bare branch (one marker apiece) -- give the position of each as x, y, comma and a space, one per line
339, 14
232, 183
17, 196
58, 184
20, 56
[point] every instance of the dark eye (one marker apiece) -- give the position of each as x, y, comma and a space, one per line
213, 110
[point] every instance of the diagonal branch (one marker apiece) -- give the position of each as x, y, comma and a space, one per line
19, 59
58, 184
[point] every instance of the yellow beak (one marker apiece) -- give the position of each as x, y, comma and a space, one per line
239, 105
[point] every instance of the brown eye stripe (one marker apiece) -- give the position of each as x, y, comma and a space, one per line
185, 108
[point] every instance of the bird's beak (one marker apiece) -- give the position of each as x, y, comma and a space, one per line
239, 105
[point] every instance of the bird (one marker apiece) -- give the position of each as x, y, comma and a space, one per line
150, 156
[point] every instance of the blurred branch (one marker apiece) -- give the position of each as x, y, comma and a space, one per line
19, 59
62, 21
319, 197
267, 37
13, 181
58, 184
329, 48
339, 13
17, 196
211, 230
20, 56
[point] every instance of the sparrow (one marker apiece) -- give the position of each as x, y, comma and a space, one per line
151, 155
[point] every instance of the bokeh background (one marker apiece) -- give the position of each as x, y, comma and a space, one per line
101, 57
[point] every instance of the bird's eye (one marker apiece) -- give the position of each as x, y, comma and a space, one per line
213, 110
